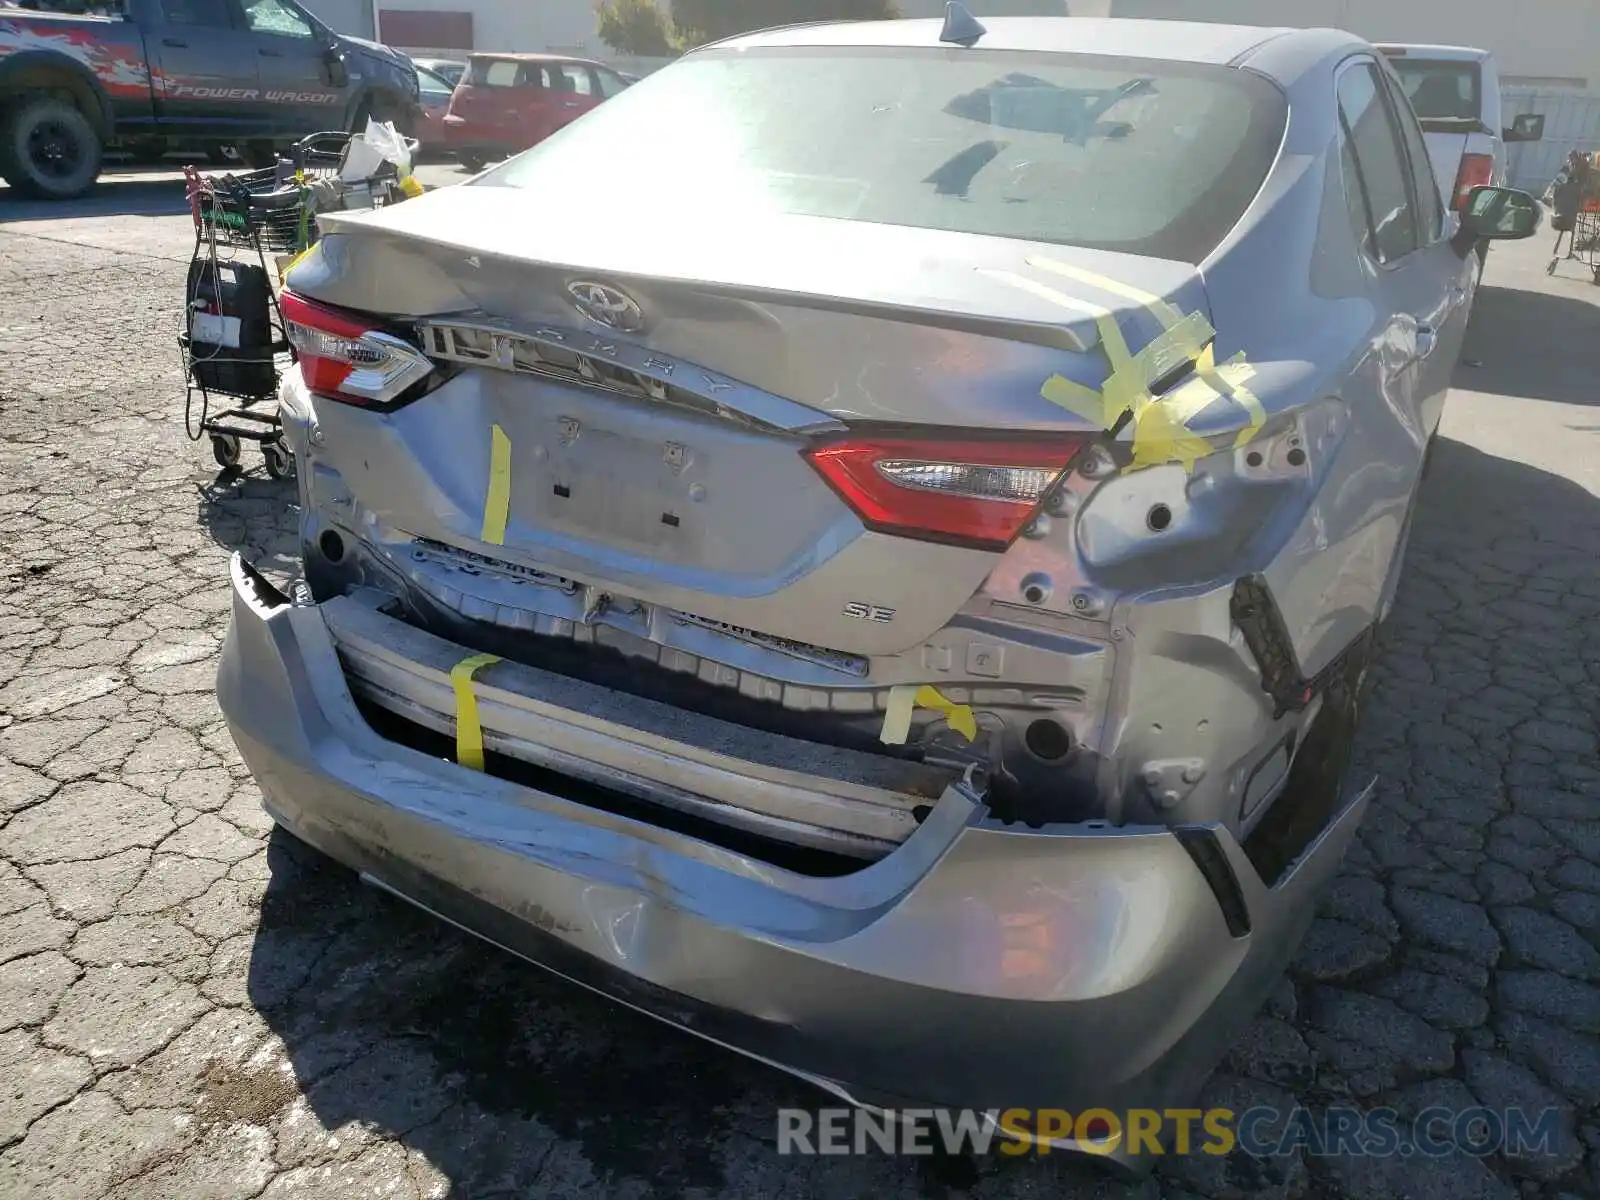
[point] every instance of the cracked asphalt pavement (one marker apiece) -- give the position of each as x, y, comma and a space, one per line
191, 1006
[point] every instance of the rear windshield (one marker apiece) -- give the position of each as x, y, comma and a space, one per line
1152, 158
1441, 91
499, 72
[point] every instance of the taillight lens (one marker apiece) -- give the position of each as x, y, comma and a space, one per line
1477, 170
975, 493
349, 357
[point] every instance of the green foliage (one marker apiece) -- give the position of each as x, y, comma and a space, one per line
636, 27
701, 21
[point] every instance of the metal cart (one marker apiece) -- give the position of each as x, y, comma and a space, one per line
1576, 193
234, 342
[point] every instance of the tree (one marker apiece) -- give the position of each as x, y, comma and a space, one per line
700, 21
635, 27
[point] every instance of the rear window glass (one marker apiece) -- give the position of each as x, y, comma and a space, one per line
498, 72
433, 85
1152, 158
1441, 91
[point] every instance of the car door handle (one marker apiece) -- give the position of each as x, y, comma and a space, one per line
1458, 295
574, 104
265, 53
175, 43
1427, 339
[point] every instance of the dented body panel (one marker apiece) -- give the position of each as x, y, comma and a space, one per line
1014, 952
1135, 708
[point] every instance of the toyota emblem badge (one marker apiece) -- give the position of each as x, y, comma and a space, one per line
606, 305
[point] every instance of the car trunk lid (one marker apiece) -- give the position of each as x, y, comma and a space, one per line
673, 465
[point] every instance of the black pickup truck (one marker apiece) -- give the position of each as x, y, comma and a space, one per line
155, 76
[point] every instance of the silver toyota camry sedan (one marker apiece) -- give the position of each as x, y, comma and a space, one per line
866, 546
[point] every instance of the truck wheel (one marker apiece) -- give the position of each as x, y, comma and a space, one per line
48, 149
472, 162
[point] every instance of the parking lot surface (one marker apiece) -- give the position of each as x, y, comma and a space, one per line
191, 1006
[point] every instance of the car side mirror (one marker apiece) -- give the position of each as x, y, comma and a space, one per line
1525, 127
333, 60
1499, 214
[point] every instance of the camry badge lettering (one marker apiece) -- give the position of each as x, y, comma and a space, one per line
662, 366
606, 305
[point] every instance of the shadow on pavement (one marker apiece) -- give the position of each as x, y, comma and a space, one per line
248, 511
510, 1082
161, 195
1512, 328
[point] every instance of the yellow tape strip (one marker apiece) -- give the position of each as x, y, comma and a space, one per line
1228, 380
469, 733
288, 262
497, 500
1164, 312
905, 697
1160, 426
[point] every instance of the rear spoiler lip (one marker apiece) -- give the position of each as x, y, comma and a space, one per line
1072, 332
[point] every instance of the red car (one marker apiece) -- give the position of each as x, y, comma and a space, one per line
508, 102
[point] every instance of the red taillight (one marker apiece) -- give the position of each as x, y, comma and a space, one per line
1477, 170
975, 493
348, 357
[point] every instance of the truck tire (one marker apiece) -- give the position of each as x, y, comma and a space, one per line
48, 149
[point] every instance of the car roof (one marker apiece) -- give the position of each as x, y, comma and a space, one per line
530, 57
1177, 41
1443, 53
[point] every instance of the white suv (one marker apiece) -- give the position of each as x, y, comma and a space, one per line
1455, 91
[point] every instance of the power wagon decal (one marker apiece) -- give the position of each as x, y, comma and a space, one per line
187, 91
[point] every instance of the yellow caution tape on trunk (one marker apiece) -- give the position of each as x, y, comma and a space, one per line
1160, 424
497, 499
469, 732
904, 698
288, 262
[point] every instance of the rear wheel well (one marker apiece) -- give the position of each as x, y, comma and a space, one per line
60, 83
381, 105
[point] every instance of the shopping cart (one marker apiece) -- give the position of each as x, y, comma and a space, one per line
234, 342
1576, 200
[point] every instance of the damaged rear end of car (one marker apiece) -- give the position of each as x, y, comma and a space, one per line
810, 612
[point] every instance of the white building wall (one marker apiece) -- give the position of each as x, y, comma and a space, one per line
1532, 39
569, 25
344, 16
1542, 40
517, 25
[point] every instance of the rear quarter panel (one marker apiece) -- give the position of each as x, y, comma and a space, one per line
1291, 291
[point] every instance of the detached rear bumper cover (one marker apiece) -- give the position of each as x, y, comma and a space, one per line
975, 966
